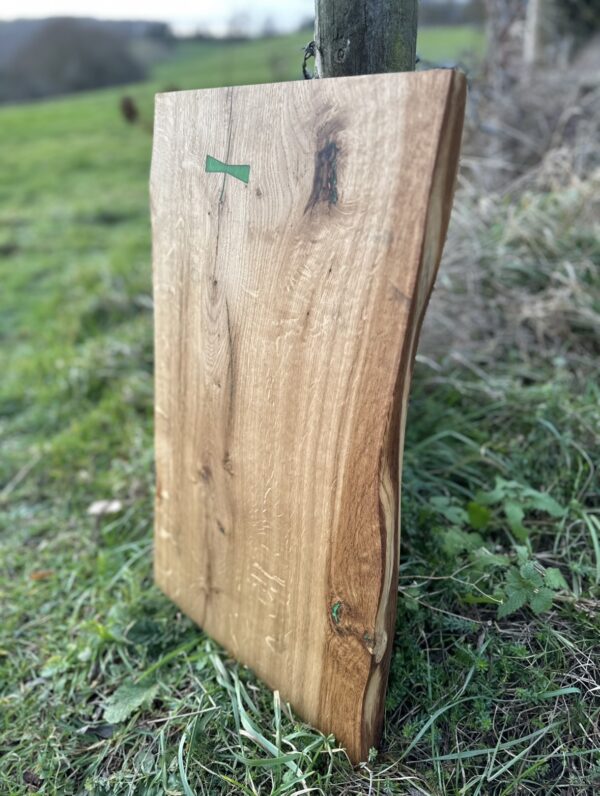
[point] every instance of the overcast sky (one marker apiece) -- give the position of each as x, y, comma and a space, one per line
182, 14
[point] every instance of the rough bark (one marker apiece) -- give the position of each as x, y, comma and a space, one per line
357, 37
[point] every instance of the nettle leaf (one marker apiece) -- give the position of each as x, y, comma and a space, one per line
542, 501
485, 558
515, 582
512, 603
104, 632
526, 586
514, 514
127, 699
531, 574
57, 664
514, 493
501, 490
554, 579
541, 601
144, 631
522, 554
450, 509
479, 515
456, 541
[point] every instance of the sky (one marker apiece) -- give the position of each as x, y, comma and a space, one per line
182, 14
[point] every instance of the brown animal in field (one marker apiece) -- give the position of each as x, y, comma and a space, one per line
129, 110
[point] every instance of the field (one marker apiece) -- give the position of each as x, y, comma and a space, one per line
104, 687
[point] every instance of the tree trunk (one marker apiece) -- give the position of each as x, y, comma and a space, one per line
548, 38
358, 37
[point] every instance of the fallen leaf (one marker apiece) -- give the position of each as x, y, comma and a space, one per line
101, 507
41, 574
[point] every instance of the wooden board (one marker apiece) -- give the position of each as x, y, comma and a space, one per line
287, 313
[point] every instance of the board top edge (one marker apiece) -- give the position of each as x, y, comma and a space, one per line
424, 76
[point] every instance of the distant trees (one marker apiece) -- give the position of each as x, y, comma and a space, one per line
66, 55
238, 27
451, 12
269, 28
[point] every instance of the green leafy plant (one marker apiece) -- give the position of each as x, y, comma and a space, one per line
530, 585
515, 500
127, 699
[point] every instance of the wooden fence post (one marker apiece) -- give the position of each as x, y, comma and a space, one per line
359, 37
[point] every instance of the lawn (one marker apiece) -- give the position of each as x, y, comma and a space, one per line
105, 688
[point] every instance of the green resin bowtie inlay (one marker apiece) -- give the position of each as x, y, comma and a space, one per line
216, 166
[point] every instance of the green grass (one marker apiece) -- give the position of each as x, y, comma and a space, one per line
281, 58
104, 687
450, 44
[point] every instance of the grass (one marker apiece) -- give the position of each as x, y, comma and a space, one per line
281, 58
105, 688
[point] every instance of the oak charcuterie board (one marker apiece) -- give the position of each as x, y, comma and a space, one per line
297, 230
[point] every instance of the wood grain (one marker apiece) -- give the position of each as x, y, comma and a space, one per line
287, 313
